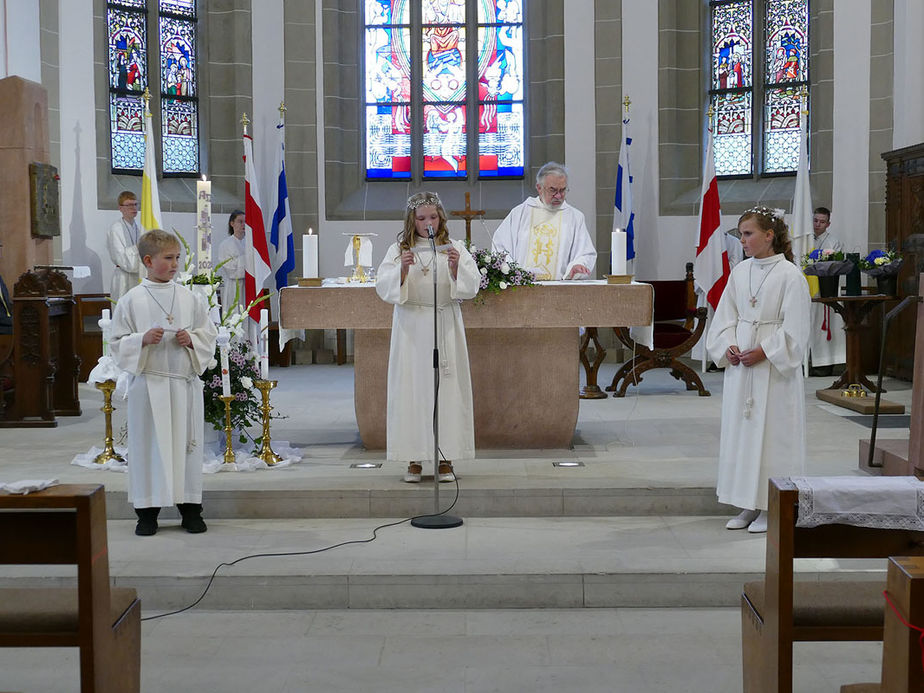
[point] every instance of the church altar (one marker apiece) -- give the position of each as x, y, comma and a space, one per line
523, 352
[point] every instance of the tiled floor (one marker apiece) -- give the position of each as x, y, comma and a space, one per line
668, 549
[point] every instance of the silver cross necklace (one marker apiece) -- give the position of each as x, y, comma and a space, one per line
753, 294
168, 313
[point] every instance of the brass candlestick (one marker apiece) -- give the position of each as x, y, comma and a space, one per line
265, 452
229, 453
108, 454
359, 274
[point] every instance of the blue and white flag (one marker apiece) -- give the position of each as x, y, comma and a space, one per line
623, 216
281, 229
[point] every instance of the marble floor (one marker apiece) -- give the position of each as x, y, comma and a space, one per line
549, 585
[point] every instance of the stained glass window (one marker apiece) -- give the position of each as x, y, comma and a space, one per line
128, 77
174, 78
755, 90
424, 106
179, 104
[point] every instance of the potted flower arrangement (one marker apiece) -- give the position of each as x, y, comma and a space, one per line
243, 365
827, 265
884, 266
498, 272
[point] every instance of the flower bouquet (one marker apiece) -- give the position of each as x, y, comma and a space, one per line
243, 365
826, 263
498, 272
881, 263
246, 406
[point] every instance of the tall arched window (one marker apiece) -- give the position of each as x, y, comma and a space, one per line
174, 80
757, 84
426, 81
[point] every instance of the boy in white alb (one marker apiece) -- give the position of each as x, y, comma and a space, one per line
163, 337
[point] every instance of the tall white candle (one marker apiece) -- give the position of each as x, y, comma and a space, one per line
203, 226
264, 344
309, 254
225, 370
104, 324
618, 252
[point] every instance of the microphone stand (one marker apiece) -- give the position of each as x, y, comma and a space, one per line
437, 520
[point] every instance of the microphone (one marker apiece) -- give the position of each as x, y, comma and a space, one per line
430, 233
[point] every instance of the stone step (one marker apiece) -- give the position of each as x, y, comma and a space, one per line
487, 563
407, 501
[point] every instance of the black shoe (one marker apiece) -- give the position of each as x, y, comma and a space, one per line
147, 521
192, 517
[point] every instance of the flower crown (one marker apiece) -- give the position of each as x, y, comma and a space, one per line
766, 212
419, 199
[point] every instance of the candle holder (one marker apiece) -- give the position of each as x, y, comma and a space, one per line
265, 453
359, 274
108, 454
229, 452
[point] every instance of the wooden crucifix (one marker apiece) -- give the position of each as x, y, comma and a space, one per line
468, 214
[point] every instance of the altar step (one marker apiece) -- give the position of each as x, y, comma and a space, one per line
487, 563
404, 500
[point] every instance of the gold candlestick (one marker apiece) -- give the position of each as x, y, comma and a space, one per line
265, 452
108, 454
359, 274
229, 453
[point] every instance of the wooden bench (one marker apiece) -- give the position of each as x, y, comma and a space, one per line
66, 524
901, 650
778, 611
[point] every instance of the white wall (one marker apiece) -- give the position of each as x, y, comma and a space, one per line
19, 39
850, 190
908, 99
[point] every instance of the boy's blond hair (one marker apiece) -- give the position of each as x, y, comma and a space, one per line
126, 195
156, 241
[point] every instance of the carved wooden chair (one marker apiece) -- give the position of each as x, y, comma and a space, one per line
674, 335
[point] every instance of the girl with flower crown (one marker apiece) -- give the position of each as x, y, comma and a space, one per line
404, 279
759, 335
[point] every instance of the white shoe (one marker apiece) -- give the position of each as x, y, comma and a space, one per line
412, 475
446, 472
743, 519
759, 525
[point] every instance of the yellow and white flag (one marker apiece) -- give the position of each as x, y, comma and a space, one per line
150, 199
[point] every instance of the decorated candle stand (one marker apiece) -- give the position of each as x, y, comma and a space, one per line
224, 339
264, 385
107, 387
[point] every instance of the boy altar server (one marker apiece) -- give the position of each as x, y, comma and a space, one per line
162, 336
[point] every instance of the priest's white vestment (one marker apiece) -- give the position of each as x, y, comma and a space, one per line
829, 341
122, 243
409, 423
574, 245
763, 406
165, 407
232, 272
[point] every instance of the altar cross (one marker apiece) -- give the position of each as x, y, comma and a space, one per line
468, 214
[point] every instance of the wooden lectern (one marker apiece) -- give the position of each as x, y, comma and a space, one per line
44, 358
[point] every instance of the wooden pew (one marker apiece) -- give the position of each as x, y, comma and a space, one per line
66, 524
778, 611
902, 671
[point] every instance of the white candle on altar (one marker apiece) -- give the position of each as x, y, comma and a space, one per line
225, 371
618, 252
309, 254
203, 226
104, 323
264, 344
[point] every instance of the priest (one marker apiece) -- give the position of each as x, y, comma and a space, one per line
829, 342
545, 234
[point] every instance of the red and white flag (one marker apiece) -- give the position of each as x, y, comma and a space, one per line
711, 268
256, 251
